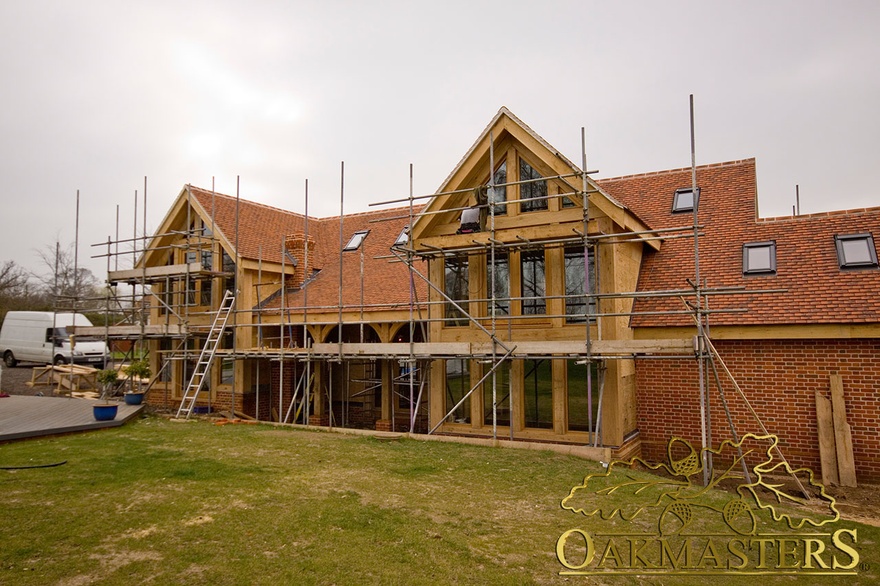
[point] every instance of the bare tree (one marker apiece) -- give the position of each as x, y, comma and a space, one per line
12, 277
16, 290
72, 286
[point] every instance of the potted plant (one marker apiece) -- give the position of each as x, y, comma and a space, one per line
141, 370
106, 411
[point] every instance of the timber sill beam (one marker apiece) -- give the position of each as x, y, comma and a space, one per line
544, 348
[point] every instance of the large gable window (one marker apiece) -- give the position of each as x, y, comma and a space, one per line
456, 273
759, 258
228, 267
533, 284
499, 194
855, 251
577, 304
684, 200
207, 259
533, 195
501, 296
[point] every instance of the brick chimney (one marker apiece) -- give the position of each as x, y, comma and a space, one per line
296, 247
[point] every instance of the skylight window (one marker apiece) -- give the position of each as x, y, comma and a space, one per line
759, 258
403, 238
683, 201
356, 240
855, 251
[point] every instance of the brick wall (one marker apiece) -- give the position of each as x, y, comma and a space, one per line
779, 378
269, 399
244, 403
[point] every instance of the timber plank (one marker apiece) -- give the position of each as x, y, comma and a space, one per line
846, 468
150, 273
827, 450
128, 331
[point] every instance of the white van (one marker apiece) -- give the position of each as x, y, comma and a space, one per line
27, 336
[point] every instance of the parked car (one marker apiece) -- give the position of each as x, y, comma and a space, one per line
42, 336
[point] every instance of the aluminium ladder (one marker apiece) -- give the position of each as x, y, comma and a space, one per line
206, 357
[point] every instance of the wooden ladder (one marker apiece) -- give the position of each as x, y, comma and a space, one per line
206, 357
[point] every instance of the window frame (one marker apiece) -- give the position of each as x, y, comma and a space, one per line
535, 303
677, 208
356, 241
402, 238
747, 269
456, 286
460, 381
868, 239
502, 285
589, 299
498, 195
532, 202
227, 265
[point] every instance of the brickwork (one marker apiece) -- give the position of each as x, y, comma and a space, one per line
296, 246
270, 402
163, 400
779, 378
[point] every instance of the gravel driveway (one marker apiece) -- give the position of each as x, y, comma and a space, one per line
12, 381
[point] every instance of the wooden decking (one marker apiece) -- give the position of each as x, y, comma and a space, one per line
25, 417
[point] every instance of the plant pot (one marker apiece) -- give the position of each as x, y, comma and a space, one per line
105, 412
134, 398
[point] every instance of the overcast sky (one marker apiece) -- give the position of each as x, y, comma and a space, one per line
98, 95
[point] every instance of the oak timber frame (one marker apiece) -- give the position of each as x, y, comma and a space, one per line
608, 236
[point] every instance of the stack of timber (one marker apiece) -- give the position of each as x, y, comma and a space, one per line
835, 437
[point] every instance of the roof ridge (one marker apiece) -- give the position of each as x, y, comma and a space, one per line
247, 201
416, 209
298, 214
826, 214
733, 163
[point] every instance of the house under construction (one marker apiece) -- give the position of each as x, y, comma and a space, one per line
524, 300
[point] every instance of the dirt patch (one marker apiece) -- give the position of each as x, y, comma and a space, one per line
200, 520
860, 504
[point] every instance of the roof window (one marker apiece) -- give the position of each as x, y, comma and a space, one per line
855, 251
402, 238
759, 258
356, 240
684, 200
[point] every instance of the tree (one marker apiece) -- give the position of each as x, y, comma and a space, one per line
16, 291
12, 277
72, 286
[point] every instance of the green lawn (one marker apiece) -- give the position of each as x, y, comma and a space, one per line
170, 503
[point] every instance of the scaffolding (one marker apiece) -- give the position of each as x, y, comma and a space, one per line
353, 371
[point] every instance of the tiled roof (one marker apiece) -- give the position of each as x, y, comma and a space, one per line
817, 291
262, 229
385, 280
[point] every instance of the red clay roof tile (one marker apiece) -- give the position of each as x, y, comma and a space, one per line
816, 290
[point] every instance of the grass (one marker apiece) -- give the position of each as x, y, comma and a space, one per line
163, 502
